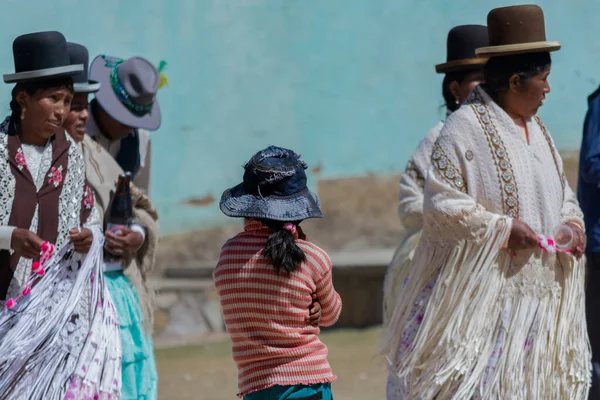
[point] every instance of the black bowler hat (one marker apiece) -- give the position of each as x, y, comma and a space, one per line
41, 55
463, 40
81, 83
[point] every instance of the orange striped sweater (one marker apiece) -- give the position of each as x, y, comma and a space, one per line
264, 312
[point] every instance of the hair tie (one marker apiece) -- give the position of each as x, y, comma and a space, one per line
288, 226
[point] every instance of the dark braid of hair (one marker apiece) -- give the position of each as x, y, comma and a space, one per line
281, 247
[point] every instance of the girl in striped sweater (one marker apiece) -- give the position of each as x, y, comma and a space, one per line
267, 278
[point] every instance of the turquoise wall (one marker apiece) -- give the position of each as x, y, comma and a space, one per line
350, 84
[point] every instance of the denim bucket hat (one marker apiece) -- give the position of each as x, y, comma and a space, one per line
274, 187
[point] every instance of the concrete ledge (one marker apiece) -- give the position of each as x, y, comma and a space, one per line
188, 307
344, 259
191, 284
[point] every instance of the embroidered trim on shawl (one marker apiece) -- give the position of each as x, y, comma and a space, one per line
561, 174
446, 169
70, 200
508, 186
415, 174
7, 179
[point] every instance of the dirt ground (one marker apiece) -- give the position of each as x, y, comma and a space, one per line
208, 372
360, 213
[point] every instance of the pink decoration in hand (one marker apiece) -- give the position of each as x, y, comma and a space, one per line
10, 303
35, 266
27, 291
549, 245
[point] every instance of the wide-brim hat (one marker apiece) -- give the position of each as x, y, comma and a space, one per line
128, 90
517, 30
41, 56
274, 187
462, 42
78, 54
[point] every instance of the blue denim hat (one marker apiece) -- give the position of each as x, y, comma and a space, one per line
274, 187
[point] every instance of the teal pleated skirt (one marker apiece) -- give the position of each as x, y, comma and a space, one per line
140, 378
318, 391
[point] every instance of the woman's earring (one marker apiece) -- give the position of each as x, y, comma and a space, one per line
457, 101
23, 112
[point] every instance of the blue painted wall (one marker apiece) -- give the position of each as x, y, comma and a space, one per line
350, 84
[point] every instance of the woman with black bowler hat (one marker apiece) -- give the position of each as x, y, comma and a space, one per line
58, 329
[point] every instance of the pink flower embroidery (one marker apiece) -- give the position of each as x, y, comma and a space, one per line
20, 160
55, 176
88, 200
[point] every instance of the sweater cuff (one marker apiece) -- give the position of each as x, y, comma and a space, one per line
6, 237
139, 229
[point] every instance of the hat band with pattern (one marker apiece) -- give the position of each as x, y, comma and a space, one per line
121, 92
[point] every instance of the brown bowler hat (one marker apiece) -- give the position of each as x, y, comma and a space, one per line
516, 30
461, 45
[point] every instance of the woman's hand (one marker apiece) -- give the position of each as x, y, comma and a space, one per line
82, 241
521, 236
123, 244
26, 243
579, 240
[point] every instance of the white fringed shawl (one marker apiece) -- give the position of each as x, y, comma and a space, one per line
410, 210
44, 353
495, 326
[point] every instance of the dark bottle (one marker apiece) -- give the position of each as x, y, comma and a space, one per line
120, 211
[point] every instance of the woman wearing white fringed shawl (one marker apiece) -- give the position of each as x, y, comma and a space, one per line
463, 72
485, 312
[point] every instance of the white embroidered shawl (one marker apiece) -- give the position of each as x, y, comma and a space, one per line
410, 210
486, 305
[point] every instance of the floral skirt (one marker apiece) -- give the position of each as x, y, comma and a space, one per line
139, 374
396, 388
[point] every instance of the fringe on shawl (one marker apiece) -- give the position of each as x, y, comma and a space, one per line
397, 273
471, 312
38, 361
142, 264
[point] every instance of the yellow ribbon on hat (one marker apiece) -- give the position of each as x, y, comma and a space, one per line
163, 77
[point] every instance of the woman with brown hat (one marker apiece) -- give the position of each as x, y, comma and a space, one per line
500, 255
463, 72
